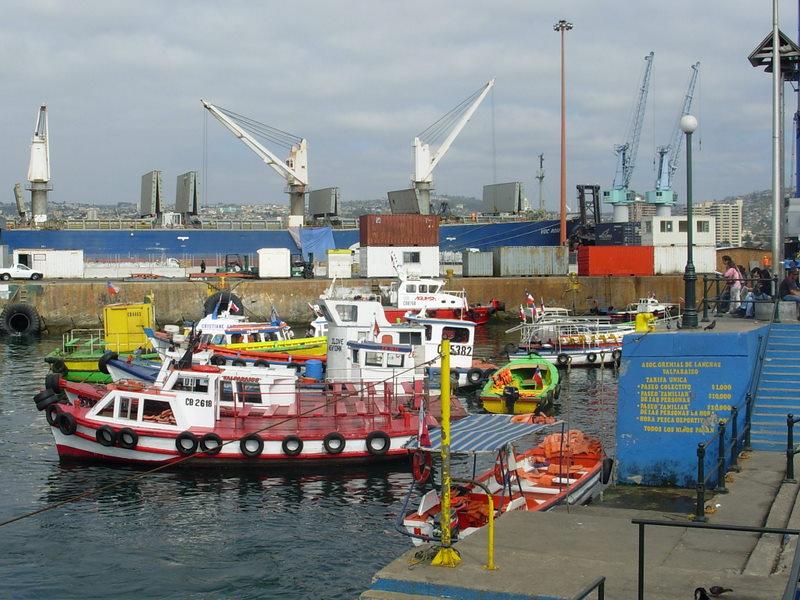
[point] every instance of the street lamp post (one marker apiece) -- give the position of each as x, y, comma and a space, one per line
563, 26
688, 125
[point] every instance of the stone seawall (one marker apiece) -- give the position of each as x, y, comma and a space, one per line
68, 304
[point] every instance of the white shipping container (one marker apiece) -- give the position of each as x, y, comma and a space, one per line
274, 263
379, 261
53, 264
340, 265
671, 231
671, 260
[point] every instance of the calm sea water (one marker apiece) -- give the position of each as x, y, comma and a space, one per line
201, 534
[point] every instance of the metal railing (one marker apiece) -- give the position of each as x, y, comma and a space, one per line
598, 584
718, 283
642, 523
791, 450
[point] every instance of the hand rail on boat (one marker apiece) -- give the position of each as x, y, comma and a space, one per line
598, 584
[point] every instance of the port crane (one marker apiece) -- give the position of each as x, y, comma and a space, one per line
294, 170
39, 167
667, 156
449, 126
620, 196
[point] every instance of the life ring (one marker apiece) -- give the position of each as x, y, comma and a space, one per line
616, 354
474, 376
222, 301
67, 423
261, 363
421, 466
246, 445
334, 443
52, 414
106, 436
211, 444
186, 443
52, 381
127, 438
292, 445
218, 360
102, 362
384, 445
206, 368
21, 319
511, 348
591, 358
238, 362
562, 359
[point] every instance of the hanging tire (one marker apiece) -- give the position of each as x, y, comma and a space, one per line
487, 373
334, 443
563, 359
42, 395
58, 366
218, 360
186, 443
238, 362
52, 414
211, 444
474, 376
261, 363
222, 301
378, 443
616, 355
251, 445
511, 348
49, 401
106, 436
127, 438
67, 423
20, 319
102, 362
292, 445
591, 358
52, 381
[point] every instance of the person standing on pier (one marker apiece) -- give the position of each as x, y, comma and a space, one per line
203, 266
734, 280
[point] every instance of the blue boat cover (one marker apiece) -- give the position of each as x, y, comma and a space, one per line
480, 433
316, 240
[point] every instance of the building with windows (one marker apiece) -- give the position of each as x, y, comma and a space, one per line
729, 220
671, 231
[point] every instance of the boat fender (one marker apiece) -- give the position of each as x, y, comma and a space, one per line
238, 362
562, 359
474, 376
186, 443
67, 423
58, 366
40, 397
218, 360
608, 467
591, 358
20, 318
246, 445
421, 465
127, 438
378, 443
102, 362
52, 414
211, 444
334, 443
52, 381
106, 436
221, 301
511, 348
292, 445
261, 363
616, 354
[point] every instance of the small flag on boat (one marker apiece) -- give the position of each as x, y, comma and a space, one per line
233, 307
529, 298
521, 313
273, 316
375, 329
537, 377
112, 289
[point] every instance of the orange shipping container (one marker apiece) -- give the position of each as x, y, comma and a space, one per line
398, 230
615, 260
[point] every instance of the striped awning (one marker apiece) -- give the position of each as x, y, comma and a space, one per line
480, 433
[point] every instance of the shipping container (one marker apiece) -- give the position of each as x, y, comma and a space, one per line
398, 230
671, 260
5, 256
274, 263
615, 260
124, 324
477, 264
53, 264
511, 261
379, 261
340, 264
617, 234
671, 231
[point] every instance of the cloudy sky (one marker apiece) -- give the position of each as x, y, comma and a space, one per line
359, 79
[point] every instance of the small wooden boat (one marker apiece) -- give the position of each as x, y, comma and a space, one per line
526, 384
564, 467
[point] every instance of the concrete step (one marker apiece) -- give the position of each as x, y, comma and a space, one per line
767, 445
775, 410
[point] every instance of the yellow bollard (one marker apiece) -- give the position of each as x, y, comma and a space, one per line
447, 556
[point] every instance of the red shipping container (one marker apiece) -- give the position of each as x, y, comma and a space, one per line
398, 230
615, 260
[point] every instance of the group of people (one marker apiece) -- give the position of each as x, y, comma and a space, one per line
745, 291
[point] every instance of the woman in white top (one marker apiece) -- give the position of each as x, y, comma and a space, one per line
734, 279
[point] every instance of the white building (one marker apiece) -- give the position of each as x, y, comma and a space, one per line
729, 220
672, 230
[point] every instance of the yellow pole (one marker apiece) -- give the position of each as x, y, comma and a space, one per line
447, 556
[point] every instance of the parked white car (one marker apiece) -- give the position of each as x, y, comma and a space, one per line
19, 272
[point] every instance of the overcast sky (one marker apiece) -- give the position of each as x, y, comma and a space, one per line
123, 82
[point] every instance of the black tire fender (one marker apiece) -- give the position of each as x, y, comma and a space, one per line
211, 444
127, 438
106, 436
474, 376
186, 443
245, 448
59, 366
20, 318
511, 348
591, 358
52, 381
49, 401
292, 445
238, 362
562, 359
52, 415
616, 354
218, 360
384, 445
67, 423
261, 363
334, 443
102, 362
224, 300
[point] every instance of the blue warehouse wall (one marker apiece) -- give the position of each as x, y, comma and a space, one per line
674, 387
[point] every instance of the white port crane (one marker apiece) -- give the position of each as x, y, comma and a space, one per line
294, 170
39, 167
451, 123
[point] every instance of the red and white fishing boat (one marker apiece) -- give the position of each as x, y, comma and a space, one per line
563, 467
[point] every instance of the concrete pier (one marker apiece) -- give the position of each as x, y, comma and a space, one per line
555, 555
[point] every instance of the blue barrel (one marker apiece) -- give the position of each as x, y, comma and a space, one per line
314, 369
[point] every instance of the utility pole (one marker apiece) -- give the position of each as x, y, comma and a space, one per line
563, 26
540, 177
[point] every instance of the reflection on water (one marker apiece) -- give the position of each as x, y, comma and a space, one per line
208, 534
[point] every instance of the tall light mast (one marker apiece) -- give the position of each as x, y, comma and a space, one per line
425, 160
540, 177
39, 168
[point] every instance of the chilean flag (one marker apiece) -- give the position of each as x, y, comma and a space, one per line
537, 377
529, 298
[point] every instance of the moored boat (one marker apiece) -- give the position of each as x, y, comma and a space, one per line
525, 384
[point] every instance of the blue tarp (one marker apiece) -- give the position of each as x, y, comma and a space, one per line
316, 240
480, 433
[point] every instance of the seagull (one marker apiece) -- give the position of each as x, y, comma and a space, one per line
711, 325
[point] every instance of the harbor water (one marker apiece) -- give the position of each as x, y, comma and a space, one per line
208, 534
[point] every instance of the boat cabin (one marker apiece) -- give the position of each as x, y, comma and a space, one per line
416, 294
460, 333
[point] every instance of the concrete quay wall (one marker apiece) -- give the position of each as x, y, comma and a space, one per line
69, 304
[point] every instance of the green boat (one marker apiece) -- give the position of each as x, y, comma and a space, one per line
526, 384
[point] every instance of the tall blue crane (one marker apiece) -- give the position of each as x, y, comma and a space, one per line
667, 157
620, 196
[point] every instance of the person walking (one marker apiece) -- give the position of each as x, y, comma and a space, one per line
203, 266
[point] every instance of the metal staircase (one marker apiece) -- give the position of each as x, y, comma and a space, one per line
778, 391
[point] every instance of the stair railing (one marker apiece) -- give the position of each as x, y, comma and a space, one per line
791, 450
